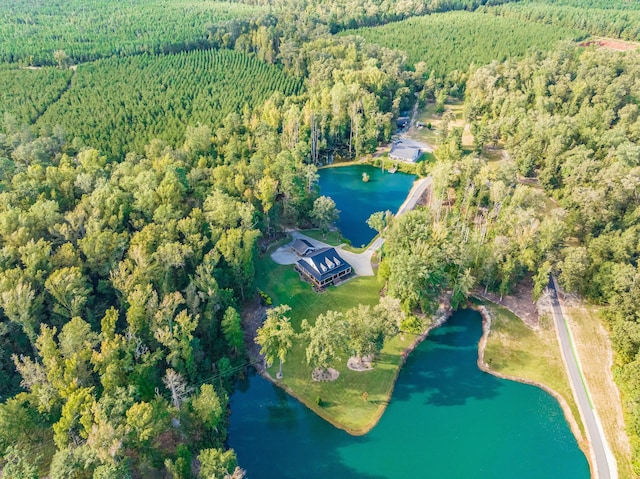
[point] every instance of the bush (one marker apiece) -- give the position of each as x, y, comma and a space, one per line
412, 324
265, 299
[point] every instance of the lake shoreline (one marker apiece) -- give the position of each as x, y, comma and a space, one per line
441, 316
483, 366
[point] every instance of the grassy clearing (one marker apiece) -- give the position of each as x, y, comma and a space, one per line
594, 350
341, 401
333, 238
516, 350
428, 115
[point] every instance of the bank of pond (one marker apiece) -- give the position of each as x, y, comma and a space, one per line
357, 199
446, 419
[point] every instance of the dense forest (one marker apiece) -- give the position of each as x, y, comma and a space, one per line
454, 41
120, 288
26, 93
622, 22
143, 97
46, 32
571, 120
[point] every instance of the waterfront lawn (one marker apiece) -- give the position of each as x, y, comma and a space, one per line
517, 350
340, 402
594, 350
333, 238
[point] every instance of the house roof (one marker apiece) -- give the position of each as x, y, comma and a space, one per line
323, 263
404, 152
302, 246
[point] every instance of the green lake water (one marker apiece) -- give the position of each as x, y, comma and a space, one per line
446, 420
357, 200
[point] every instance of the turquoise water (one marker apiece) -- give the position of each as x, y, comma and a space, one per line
357, 200
446, 420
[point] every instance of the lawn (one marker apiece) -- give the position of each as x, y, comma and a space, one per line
594, 350
340, 402
516, 350
333, 238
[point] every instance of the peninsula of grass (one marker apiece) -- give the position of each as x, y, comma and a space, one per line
533, 355
341, 402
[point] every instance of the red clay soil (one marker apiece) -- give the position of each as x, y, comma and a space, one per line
609, 44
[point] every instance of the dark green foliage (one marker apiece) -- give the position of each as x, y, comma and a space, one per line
618, 19
156, 96
31, 31
455, 40
26, 94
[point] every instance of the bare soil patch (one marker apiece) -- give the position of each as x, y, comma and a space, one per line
611, 44
520, 302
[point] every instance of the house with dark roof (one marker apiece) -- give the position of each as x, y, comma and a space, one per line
302, 247
323, 267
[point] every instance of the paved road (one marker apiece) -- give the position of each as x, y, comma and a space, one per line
601, 461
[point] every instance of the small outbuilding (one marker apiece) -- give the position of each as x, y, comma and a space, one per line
323, 267
302, 247
404, 152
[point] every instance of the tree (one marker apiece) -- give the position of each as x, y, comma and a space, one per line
209, 407
232, 330
216, 463
237, 247
275, 336
61, 58
326, 339
197, 139
380, 220
266, 192
21, 305
574, 269
365, 337
69, 289
324, 212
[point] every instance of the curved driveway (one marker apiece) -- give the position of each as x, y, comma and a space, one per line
602, 461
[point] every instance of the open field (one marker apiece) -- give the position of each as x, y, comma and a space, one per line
119, 105
428, 115
341, 401
454, 40
594, 349
31, 31
514, 349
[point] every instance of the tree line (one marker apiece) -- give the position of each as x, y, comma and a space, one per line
120, 291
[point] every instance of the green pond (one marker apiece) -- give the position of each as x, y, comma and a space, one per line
446, 420
357, 199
